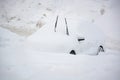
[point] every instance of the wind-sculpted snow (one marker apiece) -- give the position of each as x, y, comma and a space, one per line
22, 58
8, 38
18, 64
45, 39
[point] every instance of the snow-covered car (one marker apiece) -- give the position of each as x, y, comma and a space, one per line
48, 39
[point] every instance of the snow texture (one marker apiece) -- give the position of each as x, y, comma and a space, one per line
31, 50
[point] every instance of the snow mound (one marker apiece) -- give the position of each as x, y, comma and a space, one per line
8, 38
45, 39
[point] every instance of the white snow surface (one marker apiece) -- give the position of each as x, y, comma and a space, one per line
45, 39
18, 62
24, 15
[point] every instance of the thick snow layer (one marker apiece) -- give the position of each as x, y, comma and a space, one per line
45, 39
27, 15
37, 65
19, 63
8, 38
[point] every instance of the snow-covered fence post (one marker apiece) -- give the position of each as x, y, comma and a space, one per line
56, 24
67, 32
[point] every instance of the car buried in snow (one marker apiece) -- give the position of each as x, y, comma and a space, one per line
49, 39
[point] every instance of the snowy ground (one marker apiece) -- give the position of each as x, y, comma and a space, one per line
19, 19
18, 64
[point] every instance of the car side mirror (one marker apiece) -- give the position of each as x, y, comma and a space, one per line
81, 39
